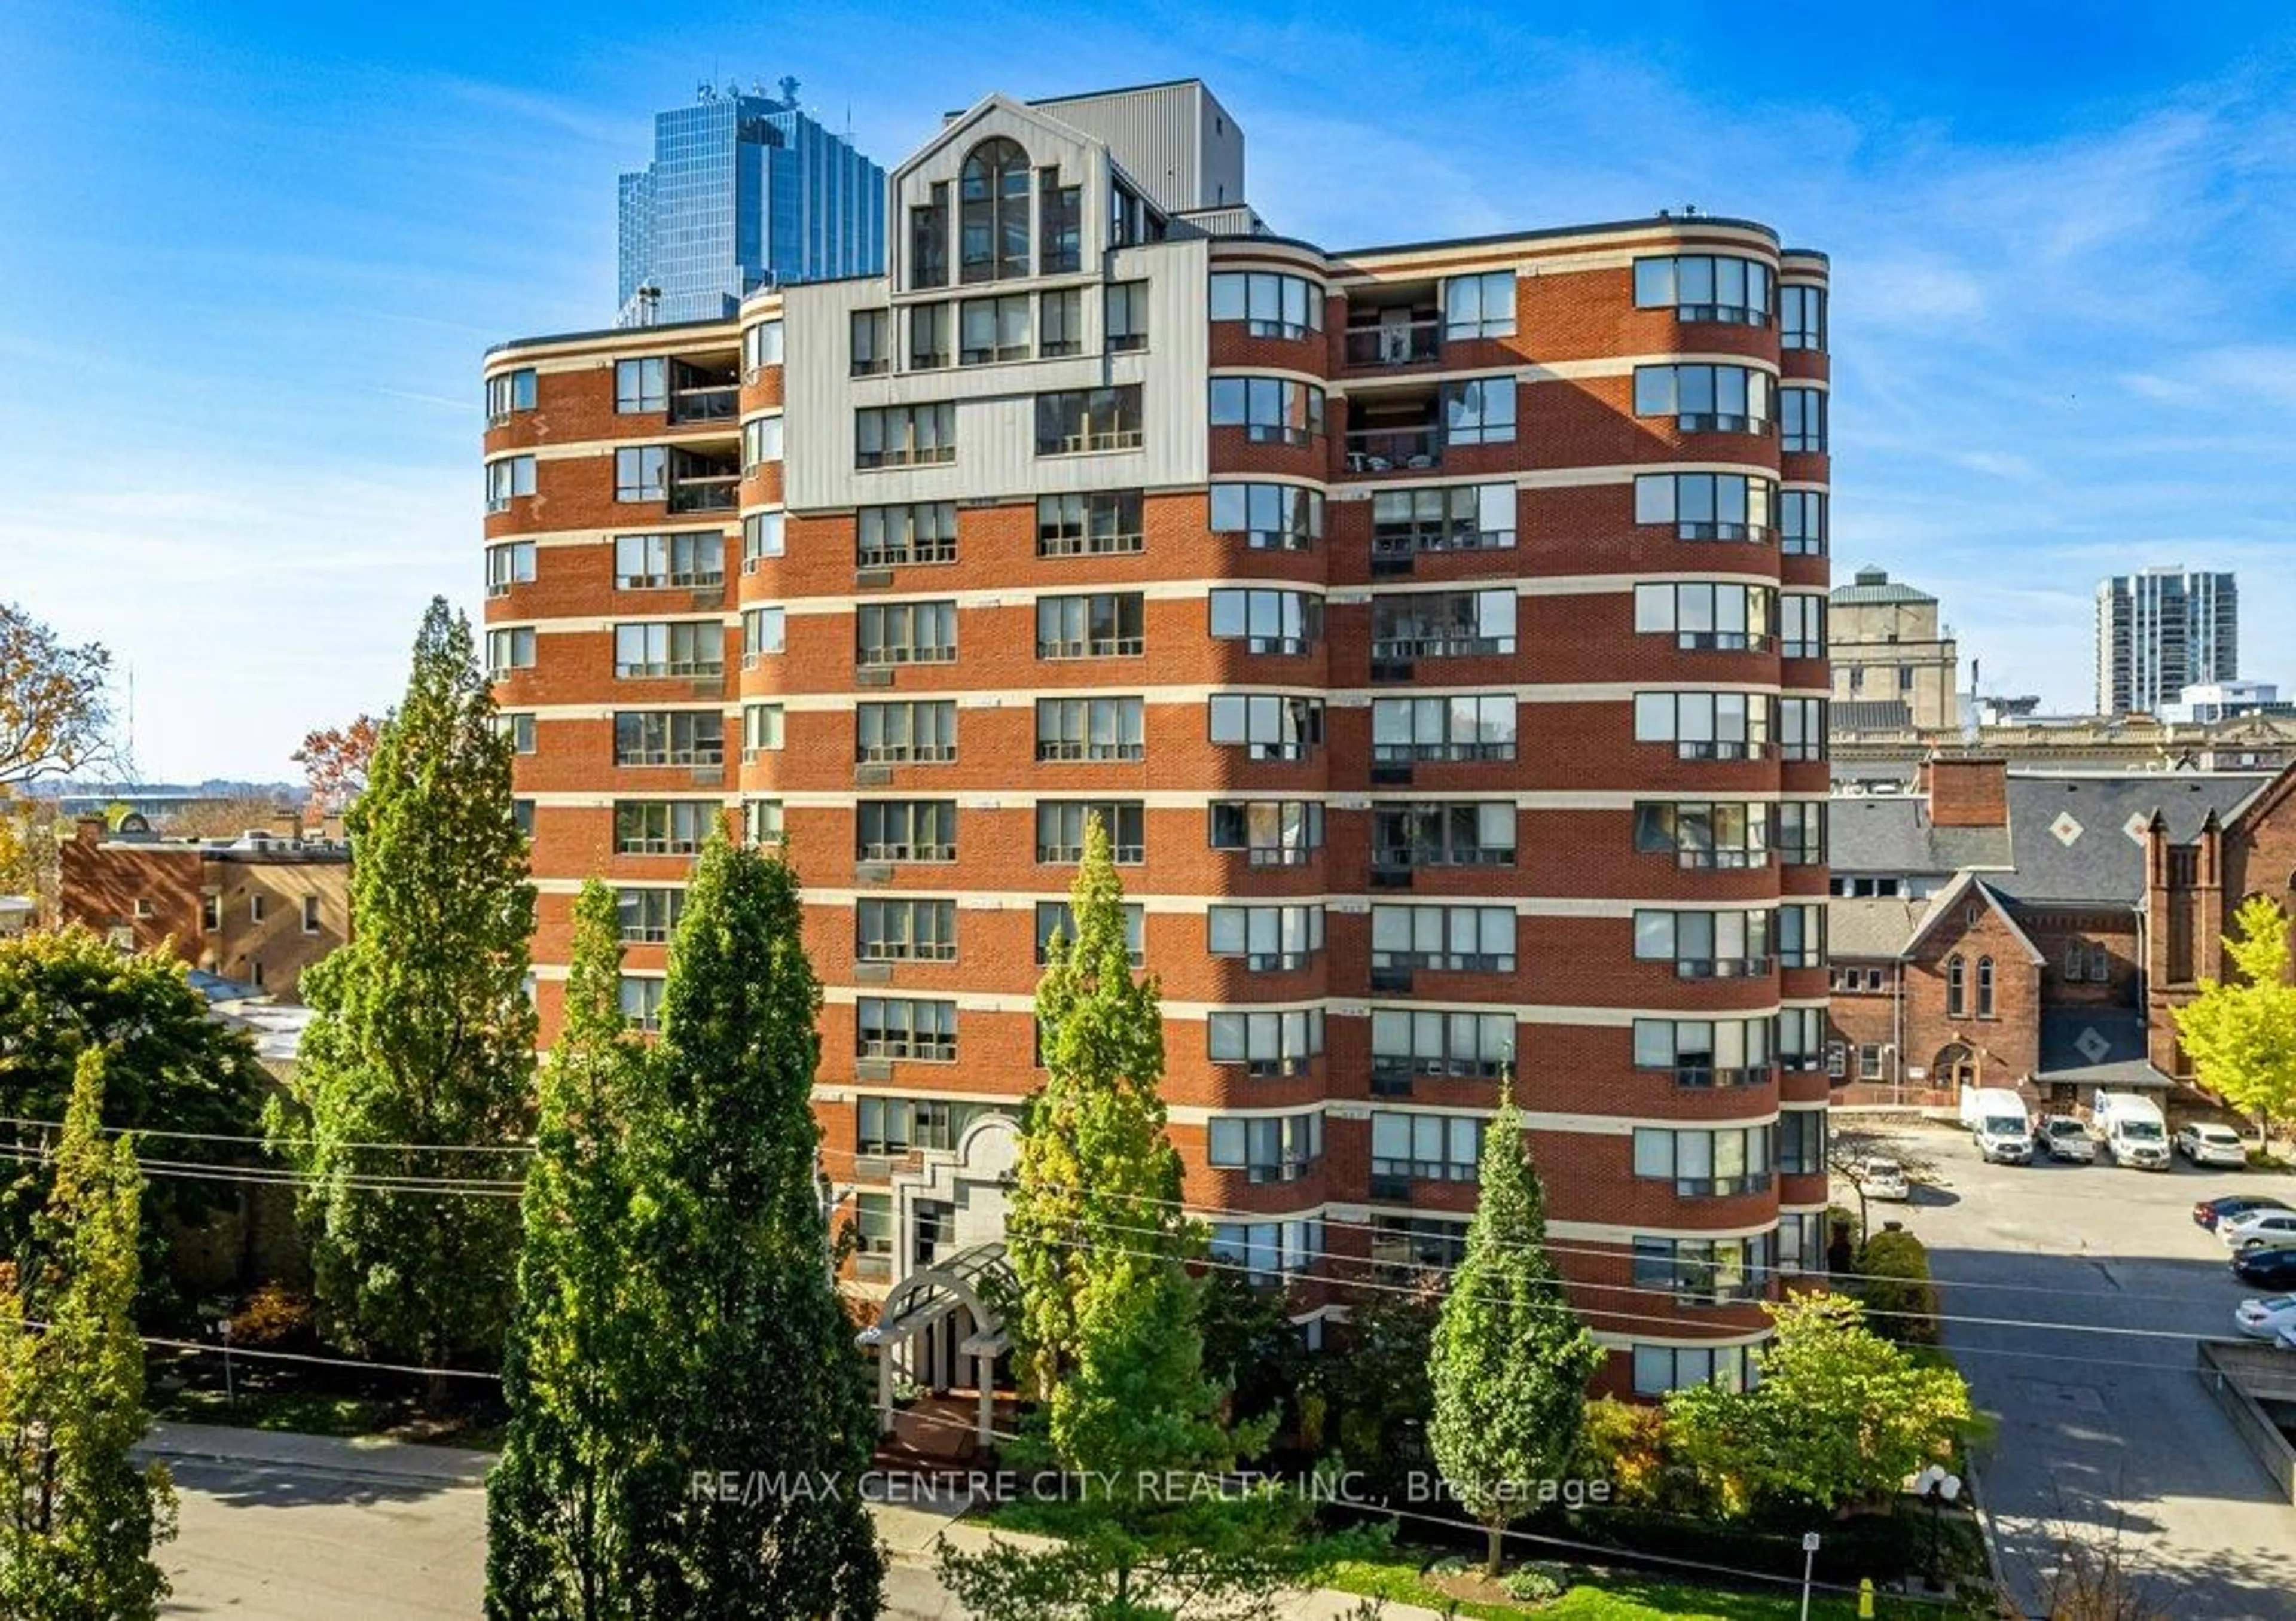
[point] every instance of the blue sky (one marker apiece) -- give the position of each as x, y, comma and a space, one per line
253, 254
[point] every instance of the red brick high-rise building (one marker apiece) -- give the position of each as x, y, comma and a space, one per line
1439, 627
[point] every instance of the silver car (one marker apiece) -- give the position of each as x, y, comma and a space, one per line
2211, 1144
2063, 1137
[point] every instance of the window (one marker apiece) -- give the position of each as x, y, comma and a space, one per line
762, 820
143, 907
1476, 834
1267, 1252
1054, 918
1061, 826
1124, 324
930, 348
1699, 617
890, 536
895, 1125
1662, 1368
1478, 412
1409, 1043
762, 728
904, 733
1703, 834
311, 911
1268, 727
1985, 987
1094, 524
1090, 729
1706, 945
1704, 725
1956, 987
1801, 1132
1271, 1147
1801, 935
641, 386
1705, 398
1443, 624
1801, 728
1869, 1066
1706, 1051
1706, 1272
1801, 1038
1706, 1164
1269, 1044
687, 647
1447, 518
871, 334
649, 562
904, 1026
641, 473
518, 727
1268, 621
1802, 628
761, 442
1270, 306
1272, 832
1479, 305
904, 931
508, 566
642, 1000
993, 212
662, 827
1270, 517
761, 346
508, 392
2087, 960
1802, 317
1707, 506
765, 631
669, 737
904, 435
1801, 417
508, 478
1104, 625
929, 240
905, 830
510, 650
211, 914
763, 535
905, 633
1270, 939
1060, 324
1472, 726
1061, 212
1079, 419
1444, 939
648, 917
1705, 287
1422, 1148
1800, 832
1270, 410
1417, 1243
1801, 523
992, 329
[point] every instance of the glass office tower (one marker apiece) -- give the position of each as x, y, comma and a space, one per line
745, 190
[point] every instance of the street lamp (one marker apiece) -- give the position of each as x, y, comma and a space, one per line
1938, 1487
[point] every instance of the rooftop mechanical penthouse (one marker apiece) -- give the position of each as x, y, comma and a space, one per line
1438, 628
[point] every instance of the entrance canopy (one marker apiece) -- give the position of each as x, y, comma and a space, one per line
965, 1279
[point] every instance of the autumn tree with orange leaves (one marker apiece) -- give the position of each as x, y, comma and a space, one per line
334, 761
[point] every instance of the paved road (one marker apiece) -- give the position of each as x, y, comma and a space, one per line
2111, 1431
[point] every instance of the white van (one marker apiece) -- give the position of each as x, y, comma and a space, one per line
2133, 1129
1999, 1124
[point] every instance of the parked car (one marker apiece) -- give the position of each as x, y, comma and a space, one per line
1879, 1178
2212, 1145
2209, 1212
2263, 1318
2063, 1137
2273, 1269
2260, 1230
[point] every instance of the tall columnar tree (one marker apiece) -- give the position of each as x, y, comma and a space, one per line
2241, 1032
78, 1517
1510, 1361
766, 1376
585, 1347
421, 1032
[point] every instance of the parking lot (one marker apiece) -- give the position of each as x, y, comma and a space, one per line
2073, 1295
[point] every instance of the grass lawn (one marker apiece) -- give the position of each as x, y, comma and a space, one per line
1610, 1596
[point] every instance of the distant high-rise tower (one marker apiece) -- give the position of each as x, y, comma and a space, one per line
2161, 630
745, 190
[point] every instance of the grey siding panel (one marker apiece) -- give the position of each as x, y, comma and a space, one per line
1155, 136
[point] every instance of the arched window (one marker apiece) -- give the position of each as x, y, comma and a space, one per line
993, 212
1985, 987
1957, 988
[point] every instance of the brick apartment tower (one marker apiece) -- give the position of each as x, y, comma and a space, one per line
1438, 627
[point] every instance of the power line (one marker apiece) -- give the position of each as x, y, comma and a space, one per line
269, 1142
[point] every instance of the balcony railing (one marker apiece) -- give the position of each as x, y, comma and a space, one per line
1395, 343
1380, 450
716, 404
1439, 644
706, 493
1405, 856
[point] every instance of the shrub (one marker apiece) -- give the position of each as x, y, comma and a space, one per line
274, 1315
1624, 1443
1895, 1285
1536, 1583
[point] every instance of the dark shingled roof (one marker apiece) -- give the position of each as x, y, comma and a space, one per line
1885, 833
2096, 1047
2081, 838
1870, 715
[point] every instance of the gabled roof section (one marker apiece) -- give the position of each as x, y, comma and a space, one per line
2270, 796
2078, 838
1967, 888
956, 132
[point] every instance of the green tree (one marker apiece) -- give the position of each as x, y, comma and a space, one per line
2241, 1033
1377, 1382
78, 1518
66, 994
586, 1342
766, 1376
1510, 1361
421, 1033
1841, 1416
1894, 1283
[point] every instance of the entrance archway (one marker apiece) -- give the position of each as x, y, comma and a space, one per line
1955, 1067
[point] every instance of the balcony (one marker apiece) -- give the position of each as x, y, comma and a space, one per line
703, 394
1416, 448
699, 483
1394, 337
